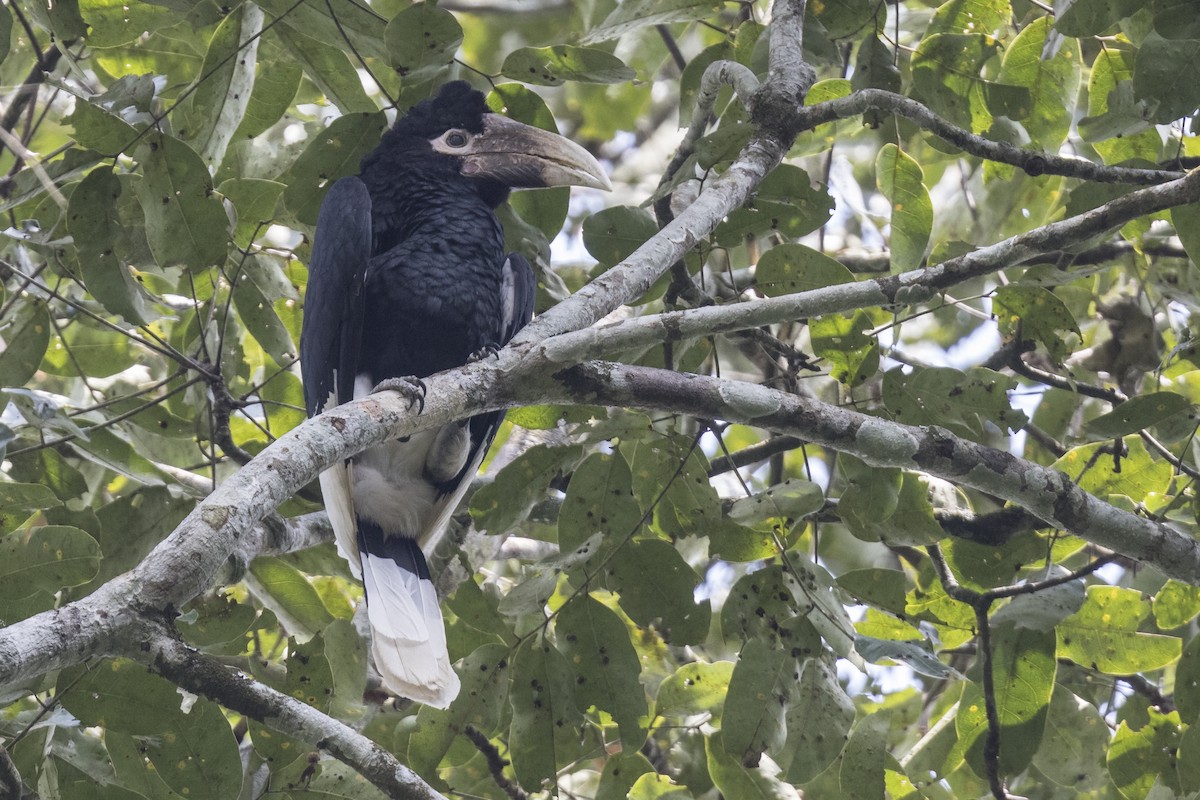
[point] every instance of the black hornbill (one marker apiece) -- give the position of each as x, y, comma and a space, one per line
408, 277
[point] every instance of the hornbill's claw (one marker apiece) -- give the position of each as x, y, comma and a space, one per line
410, 387
487, 351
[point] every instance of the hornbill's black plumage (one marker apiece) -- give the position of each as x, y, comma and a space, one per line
409, 277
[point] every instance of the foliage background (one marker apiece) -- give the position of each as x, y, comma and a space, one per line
682, 607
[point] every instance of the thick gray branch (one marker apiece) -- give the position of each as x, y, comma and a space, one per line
915, 286
1047, 493
202, 675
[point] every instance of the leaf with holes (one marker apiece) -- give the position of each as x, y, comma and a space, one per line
545, 718
421, 41
555, 65
656, 588
1033, 312
185, 220
901, 181
596, 644
1103, 635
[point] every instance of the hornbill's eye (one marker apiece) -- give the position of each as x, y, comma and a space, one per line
456, 139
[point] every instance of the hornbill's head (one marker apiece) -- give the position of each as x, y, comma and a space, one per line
457, 133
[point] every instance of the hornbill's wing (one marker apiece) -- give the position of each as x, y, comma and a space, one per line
518, 290
331, 335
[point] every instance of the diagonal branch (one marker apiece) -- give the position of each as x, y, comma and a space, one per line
910, 287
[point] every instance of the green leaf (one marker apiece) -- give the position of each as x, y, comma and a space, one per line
1053, 83
26, 336
185, 221
962, 402
209, 117
132, 525
198, 757
498, 506
93, 221
1138, 759
553, 66
787, 203
818, 720
1103, 635
210, 620
99, 129
596, 644
120, 695
421, 41
844, 341
864, 759
276, 81
356, 28
919, 658
544, 735
290, 595
695, 688
653, 786
1138, 414
1116, 123
1167, 76
1033, 312
255, 201
1187, 680
1090, 17
882, 588
900, 179
793, 499
50, 469
656, 588
45, 559
1135, 475
26, 497
734, 779
481, 702
946, 69
5, 32
1176, 19
791, 268
612, 234
259, 317
112, 23
620, 773
1176, 604
1043, 610
1023, 670
870, 496
330, 69
633, 15
1073, 747
331, 154
759, 605
760, 689
309, 676
599, 500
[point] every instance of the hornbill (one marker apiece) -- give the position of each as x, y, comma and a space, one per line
408, 277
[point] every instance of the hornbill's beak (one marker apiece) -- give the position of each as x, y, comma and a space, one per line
523, 156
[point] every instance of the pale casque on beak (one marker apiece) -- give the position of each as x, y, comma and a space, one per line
522, 156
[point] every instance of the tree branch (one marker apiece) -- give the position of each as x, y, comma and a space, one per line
197, 673
1031, 161
908, 287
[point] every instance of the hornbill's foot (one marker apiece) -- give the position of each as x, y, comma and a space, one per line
487, 351
410, 387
